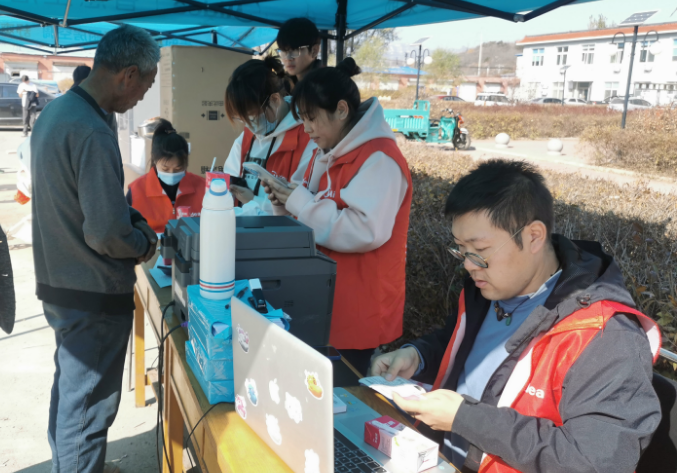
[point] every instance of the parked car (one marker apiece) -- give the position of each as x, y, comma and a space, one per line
451, 98
576, 102
634, 103
11, 113
49, 86
490, 100
607, 100
547, 101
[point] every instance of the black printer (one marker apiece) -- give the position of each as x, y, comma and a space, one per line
280, 251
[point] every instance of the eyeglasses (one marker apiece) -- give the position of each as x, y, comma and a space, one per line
476, 259
292, 53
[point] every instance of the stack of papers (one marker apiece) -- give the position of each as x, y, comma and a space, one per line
405, 388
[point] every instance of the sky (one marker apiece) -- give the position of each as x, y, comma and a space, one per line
458, 35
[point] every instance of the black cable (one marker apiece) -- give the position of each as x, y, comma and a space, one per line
160, 420
185, 443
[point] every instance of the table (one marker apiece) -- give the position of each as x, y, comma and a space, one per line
223, 442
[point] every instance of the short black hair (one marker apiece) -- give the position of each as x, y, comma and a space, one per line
24, 79
80, 73
297, 32
513, 193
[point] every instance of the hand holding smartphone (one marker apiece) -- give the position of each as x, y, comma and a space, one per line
264, 175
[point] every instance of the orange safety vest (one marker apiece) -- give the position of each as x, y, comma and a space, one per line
369, 295
150, 199
285, 160
535, 386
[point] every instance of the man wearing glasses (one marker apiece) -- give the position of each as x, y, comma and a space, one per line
546, 366
298, 41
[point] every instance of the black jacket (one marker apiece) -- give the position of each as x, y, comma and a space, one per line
609, 407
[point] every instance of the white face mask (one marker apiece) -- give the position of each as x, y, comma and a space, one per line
171, 178
260, 125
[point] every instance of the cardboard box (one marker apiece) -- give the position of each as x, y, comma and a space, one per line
193, 88
411, 450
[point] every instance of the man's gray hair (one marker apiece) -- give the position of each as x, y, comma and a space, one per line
127, 46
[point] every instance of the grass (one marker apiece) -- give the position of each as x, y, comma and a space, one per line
648, 144
635, 225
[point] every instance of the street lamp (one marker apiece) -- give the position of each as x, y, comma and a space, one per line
423, 57
635, 20
563, 70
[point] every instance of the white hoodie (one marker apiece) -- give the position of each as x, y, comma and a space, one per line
374, 196
259, 150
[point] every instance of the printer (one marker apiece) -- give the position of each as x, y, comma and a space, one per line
280, 252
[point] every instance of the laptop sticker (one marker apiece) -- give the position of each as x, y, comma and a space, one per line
243, 338
313, 385
252, 393
312, 462
241, 406
274, 391
274, 429
293, 407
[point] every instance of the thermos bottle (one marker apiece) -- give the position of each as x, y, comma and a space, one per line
217, 243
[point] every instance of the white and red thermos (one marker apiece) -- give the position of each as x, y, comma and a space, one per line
217, 243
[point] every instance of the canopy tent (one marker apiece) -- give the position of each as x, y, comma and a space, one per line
55, 39
176, 19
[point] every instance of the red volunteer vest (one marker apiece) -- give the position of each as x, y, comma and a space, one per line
535, 385
369, 295
285, 160
149, 198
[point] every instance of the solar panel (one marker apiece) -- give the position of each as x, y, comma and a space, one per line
638, 18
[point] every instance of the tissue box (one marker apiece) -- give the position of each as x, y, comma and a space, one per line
411, 450
216, 391
213, 370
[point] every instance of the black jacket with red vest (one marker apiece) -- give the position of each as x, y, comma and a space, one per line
606, 408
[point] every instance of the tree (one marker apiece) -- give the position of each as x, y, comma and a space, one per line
371, 59
388, 35
446, 66
599, 23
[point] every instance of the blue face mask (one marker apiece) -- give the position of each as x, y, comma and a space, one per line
171, 178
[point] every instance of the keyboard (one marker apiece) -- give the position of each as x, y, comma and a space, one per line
349, 458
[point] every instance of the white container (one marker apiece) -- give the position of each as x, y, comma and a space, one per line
217, 243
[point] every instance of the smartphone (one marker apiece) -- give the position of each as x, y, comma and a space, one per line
263, 174
238, 181
330, 352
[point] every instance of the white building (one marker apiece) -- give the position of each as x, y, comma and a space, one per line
598, 63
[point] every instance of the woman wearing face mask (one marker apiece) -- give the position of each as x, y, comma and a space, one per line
167, 185
272, 137
298, 40
356, 195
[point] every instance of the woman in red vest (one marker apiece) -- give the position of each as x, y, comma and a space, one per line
168, 185
356, 195
272, 137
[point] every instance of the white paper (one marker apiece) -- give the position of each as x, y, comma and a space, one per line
405, 388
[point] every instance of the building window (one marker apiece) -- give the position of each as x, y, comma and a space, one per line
617, 57
645, 55
674, 49
537, 57
588, 53
558, 90
610, 89
562, 55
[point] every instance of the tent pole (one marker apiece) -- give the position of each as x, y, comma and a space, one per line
341, 14
324, 49
215, 37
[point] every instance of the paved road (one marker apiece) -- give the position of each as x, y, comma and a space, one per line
575, 158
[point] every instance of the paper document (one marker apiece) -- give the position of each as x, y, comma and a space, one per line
160, 277
339, 405
405, 388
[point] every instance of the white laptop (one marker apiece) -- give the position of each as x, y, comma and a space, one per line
284, 392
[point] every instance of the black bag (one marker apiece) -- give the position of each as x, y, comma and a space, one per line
31, 99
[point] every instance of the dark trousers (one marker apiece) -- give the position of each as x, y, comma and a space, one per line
89, 359
29, 118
